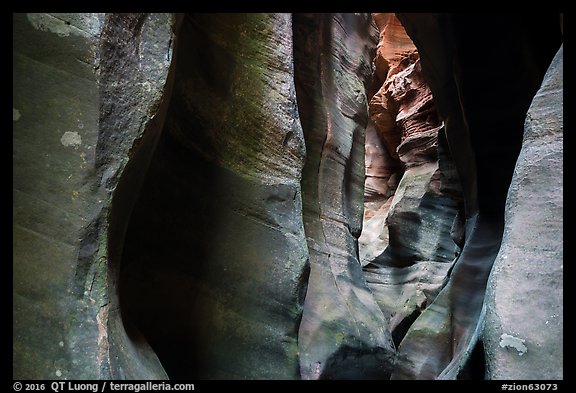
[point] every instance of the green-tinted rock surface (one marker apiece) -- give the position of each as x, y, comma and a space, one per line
188, 198
215, 264
55, 131
63, 187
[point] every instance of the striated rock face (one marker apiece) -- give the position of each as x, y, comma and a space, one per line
136, 77
87, 88
54, 134
215, 264
441, 341
343, 333
526, 283
277, 196
405, 245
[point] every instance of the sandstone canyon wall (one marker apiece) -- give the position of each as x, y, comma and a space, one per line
286, 196
55, 118
406, 246
529, 267
441, 341
216, 282
82, 97
343, 333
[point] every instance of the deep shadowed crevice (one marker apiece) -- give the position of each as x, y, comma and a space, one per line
157, 277
475, 367
170, 225
124, 48
400, 330
214, 264
156, 296
357, 364
465, 92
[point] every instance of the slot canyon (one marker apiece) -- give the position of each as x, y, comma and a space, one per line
288, 196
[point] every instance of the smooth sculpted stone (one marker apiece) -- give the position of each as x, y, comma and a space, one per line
86, 90
523, 332
343, 333
406, 246
442, 341
215, 264
136, 74
54, 134
287, 196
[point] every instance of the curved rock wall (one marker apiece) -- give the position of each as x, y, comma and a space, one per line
526, 283
88, 92
54, 134
440, 342
406, 247
343, 333
216, 280
136, 74
276, 196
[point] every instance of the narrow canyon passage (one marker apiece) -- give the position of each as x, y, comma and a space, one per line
401, 300
413, 200
435, 197
297, 196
